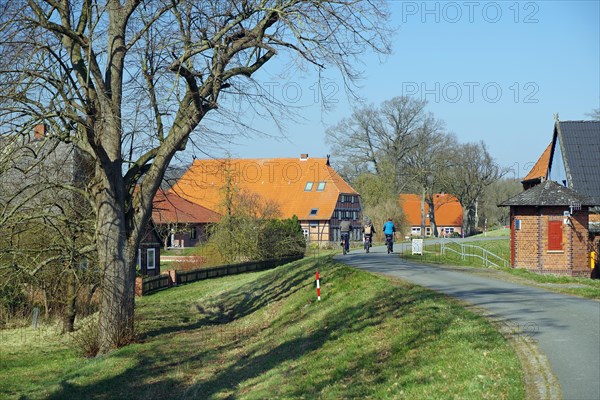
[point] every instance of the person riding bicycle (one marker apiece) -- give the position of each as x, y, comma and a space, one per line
345, 229
368, 231
388, 230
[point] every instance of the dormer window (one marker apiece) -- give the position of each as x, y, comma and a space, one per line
309, 186
320, 186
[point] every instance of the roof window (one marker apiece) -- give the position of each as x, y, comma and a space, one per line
313, 211
309, 186
321, 186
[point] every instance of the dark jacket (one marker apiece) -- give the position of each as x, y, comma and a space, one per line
345, 226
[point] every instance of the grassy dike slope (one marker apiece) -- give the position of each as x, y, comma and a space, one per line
264, 335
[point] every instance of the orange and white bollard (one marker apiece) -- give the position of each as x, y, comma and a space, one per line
318, 287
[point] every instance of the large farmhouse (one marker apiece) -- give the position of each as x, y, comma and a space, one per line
308, 188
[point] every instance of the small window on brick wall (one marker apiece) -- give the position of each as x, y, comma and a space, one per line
555, 235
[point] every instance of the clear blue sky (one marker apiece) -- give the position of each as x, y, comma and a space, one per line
493, 71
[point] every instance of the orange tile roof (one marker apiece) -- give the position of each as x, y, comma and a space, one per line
169, 208
540, 169
448, 210
281, 180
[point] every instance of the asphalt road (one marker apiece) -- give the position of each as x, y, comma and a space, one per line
566, 328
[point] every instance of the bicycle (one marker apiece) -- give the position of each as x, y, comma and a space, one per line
389, 243
345, 243
367, 243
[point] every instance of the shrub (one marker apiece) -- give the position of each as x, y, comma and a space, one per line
245, 238
85, 339
281, 238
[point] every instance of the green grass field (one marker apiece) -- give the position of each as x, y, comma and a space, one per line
495, 233
264, 335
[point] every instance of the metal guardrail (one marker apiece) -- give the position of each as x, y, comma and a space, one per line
486, 255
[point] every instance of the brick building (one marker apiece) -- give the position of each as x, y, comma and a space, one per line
550, 230
555, 223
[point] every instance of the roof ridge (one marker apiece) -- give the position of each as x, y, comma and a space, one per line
336, 178
289, 182
583, 120
548, 194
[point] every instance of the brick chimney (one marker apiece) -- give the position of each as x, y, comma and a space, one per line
39, 132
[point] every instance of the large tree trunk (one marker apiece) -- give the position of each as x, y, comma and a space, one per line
116, 258
115, 248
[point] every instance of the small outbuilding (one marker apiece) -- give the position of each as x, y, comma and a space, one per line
550, 230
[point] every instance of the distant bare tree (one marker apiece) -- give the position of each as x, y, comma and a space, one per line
472, 170
494, 194
378, 140
427, 164
594, 114
85, 67
398, 147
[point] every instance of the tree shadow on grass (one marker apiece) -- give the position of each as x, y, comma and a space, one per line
154, 371
348, 321
229, 306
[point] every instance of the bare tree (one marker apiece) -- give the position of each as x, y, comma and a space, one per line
473, 169
496, 193
378, 140
594, 114
395, 148
84, 67
427, 163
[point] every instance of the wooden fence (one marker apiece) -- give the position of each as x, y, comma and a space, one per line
154, 283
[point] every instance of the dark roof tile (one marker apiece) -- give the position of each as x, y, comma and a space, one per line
581, 142
549, 193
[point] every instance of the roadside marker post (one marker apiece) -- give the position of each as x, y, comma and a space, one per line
318, 287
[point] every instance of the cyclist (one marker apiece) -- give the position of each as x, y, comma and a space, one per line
368, 232
388, 230
345, 229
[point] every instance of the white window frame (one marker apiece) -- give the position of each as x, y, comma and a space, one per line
150, 258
